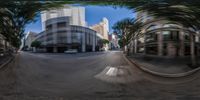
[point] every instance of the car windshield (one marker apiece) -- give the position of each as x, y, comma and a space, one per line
100, 50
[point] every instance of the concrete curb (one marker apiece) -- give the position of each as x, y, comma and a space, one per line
7, 62
158, 73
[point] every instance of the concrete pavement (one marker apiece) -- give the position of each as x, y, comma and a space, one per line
65, 77
165, 67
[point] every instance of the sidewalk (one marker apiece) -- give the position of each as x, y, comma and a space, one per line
4, 60
162, 65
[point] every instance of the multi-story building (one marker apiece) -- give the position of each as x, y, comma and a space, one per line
5, 46
73, 15
65, 29
102, 28
163, 38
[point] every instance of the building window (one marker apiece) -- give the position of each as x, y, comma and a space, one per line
164, 49
49, 27
61, 24
152, 49
187, 49
187, 36
166, 35
170, 35
62, 31
76, 37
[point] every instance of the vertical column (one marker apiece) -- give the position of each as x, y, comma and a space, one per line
69, 35
135, 44
4, 43
45, 41
93, 42
160, 43
54, 30
181, 45
83, 42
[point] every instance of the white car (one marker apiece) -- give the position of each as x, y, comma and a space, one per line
71, 51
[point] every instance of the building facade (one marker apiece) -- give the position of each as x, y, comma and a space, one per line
5, 45
114, 44
65, 29
102, 28
163, 38
31, 36
76, 15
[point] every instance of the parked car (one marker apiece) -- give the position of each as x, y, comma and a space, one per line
102, 49
2, 53
71, 51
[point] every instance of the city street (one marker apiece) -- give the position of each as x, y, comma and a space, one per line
44, 76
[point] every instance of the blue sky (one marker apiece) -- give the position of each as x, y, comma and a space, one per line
94, 14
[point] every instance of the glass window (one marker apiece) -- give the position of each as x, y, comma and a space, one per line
187, 36
170, 35
61, 24
76, 38
152, 49
49, 27
151, 37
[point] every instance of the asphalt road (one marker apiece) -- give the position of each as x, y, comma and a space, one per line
89, 76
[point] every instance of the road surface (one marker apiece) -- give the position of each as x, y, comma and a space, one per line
89, 76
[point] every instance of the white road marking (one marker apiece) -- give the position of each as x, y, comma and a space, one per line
112, 71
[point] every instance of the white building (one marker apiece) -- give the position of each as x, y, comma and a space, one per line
76, 15
65, 28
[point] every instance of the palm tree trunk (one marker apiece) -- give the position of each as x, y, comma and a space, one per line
124, 50
192, 50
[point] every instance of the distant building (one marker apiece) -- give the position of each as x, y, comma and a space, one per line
31, 36
102, 28
114, 44
65, 29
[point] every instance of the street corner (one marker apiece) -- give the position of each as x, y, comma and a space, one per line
117, 74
